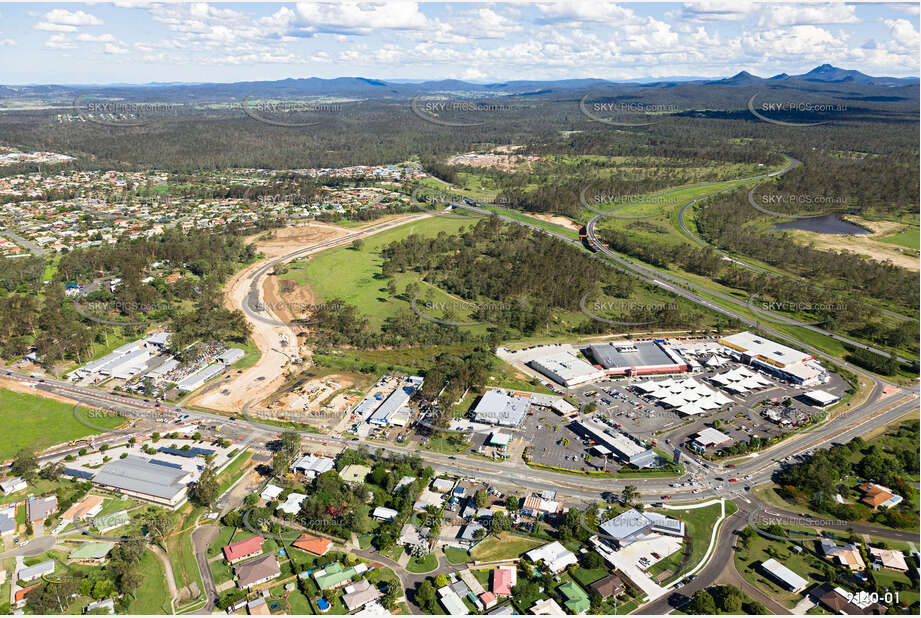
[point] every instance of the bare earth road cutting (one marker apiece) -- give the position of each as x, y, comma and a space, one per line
269, 331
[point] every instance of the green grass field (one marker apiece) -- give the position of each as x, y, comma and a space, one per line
422, 565
699, 525
456, 555
509, 546
152, 597
354, 276
909, 238
29, 420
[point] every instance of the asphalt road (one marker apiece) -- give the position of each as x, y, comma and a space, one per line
202, 537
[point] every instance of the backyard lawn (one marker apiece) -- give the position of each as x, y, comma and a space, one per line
456, 555
509, 546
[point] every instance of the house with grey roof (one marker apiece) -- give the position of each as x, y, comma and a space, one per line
41, 508
31, 573
258, 571
7, 524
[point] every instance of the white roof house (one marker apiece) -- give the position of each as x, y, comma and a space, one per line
451, 602
313, 465
384, 514
292, 505
783, 575
12, 485
553, 555
271, 492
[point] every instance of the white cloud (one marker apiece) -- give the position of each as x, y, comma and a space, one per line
716, 10
45, 26
96, 38
779, 15
473, 74
600, 12
71, 18
7, 43
112, 48
903, 33
362, 17
59, 41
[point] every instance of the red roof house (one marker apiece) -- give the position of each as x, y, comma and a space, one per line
235, 552
502, 581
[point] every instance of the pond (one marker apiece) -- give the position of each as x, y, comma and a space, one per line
826, 224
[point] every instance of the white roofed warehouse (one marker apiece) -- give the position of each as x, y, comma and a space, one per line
566, 369
499, 407
775, 358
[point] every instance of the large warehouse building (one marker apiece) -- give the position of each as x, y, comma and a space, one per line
146, 479
498, 407
775, 358
609, 442
566, 369
637, 358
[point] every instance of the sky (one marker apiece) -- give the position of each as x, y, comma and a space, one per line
135, 41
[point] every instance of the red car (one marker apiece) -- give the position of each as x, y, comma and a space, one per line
733, 480
666, 498
731, 466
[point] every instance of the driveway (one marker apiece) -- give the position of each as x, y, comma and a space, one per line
202, 537
36, 546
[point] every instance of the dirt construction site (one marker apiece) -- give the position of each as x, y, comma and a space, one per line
321, 402
270, 308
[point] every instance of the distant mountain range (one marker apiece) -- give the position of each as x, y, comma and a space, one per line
847, 81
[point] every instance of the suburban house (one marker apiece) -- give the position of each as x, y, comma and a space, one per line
783, 576
609, 587
359, 594
106, 604
840, 602
19, 599
237, 552
546, 607
504, 579
576, 599
271, 492
315, 545
335, 575
91, 552
257, 571
452, 603
553, 555
292, 504
312, 466
468, 534
41, 508
12, 485
382, 513
845, 555
877, 496
891, 559
28, 574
